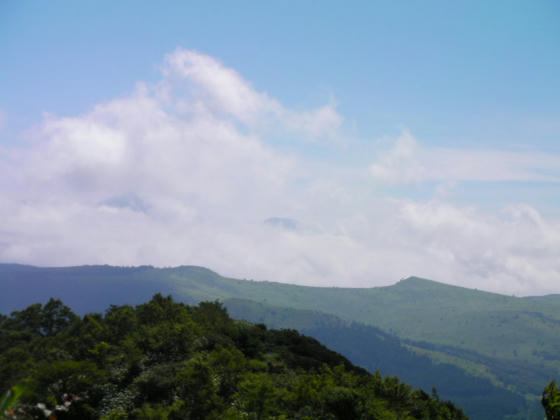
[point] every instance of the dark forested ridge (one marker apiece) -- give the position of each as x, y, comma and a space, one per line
163, 359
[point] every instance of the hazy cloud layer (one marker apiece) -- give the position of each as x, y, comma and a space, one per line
183, 172
406, 162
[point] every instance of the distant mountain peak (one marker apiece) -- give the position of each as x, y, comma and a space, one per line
413, 280
283, 223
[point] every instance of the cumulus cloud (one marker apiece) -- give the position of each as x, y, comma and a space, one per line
214, 88
207, 86
407, 162
182, 172
514, 251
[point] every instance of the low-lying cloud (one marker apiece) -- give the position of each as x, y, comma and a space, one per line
184, 172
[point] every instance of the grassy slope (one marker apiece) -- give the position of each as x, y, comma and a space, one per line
374, 349
493, 325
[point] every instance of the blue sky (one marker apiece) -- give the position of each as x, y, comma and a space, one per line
438, 122
474, 73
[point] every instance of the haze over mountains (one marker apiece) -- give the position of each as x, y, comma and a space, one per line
490, 353
186, 164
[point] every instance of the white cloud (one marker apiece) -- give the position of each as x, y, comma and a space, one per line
207, 86
320, 122
214, 88
181, 173
401, 165
513, 252
407, 162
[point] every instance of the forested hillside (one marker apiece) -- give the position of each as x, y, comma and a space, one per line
163, 359
489, 351
374, 349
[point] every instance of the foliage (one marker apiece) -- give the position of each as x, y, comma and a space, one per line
167, 360
374, 349
9, 400
551, 401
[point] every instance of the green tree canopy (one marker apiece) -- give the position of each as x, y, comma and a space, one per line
167, 360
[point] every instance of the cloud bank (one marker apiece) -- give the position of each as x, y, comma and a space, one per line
185, 171
408, 163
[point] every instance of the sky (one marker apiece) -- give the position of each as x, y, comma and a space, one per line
316, 143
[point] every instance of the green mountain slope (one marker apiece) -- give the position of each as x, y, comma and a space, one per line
513, 342
166, 360
421, 310
374, 349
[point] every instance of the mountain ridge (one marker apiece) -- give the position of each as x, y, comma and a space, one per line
513, 339
407, 282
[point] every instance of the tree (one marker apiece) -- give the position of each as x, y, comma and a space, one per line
46, 320
551, 401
